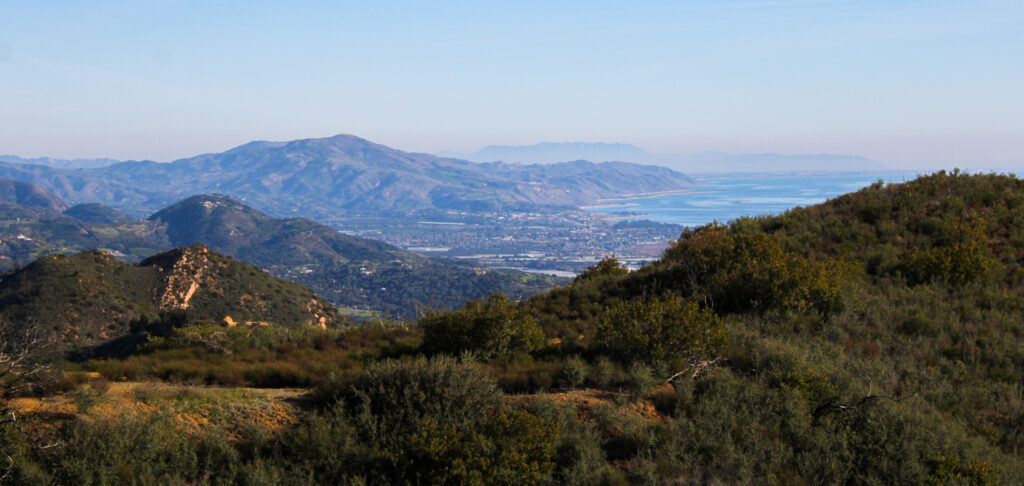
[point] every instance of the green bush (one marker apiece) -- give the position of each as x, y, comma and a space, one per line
84, 398
575, 371
496, 327
607, 373
957, 264
507, 448
393, 397
951, 469
423, 421
738, 272
660, 331
640, 380
608, 267
580, 459
138, 450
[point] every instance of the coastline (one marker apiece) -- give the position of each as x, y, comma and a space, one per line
623, 200
612, 205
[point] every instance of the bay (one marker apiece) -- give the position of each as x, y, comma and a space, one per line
724, 197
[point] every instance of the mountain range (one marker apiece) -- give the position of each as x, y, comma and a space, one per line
346, 270
323, 177
59, 163
554, 152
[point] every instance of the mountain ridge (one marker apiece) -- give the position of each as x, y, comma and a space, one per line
27, 194
60, 163
323, 176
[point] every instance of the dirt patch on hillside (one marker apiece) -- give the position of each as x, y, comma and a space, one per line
196, 408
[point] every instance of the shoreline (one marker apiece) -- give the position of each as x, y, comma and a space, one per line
623, 200
608, 206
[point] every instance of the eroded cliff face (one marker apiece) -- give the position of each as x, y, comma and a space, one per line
235, 293
184, 277
319, 311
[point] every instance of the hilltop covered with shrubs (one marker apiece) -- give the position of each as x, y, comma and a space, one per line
872, 339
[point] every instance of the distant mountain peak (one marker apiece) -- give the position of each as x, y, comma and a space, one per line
317, 177
210, 201
341, 141
60, 163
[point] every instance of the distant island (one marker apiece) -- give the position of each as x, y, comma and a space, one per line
706, 162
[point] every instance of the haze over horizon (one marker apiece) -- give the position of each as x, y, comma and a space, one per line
912, 84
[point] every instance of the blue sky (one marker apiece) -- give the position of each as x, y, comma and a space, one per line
913, 83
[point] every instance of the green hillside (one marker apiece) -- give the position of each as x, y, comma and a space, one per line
91, 297
361, 275
346, 270
872, 339
97, 213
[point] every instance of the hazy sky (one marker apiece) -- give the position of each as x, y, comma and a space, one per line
912, 83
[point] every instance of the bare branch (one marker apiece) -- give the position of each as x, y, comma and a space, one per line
17, 360
18, 363
698, 367
833, 406
10, 466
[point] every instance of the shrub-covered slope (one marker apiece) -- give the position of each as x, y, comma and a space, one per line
883, 327
91, 297
346, 270
873, 339
96, 213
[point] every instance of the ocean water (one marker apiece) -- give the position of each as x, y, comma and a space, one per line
724, 197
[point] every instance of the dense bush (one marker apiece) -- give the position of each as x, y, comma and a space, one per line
506, 448
393, 397
736, 272
496, 327
660, 330
262, 356
959, 256
138, 450
430, 421
608, 267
